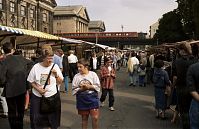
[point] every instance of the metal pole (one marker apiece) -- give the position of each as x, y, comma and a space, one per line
38, 43
61, 44
96, 38
157, 41
122, 27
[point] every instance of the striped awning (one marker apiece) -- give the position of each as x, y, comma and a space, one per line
31, 36
10, 29
29, 32
66, 40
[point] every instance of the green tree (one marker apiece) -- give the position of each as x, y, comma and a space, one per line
170, 28
196, 18
188, 10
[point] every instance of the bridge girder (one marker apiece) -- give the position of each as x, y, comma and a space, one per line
121, 41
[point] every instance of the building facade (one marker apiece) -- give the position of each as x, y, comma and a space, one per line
153, 29
28, 14
70, 19
96, 26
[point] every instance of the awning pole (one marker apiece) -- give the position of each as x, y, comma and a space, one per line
38, 43
61, 44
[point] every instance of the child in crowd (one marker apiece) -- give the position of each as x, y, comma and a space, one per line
86, 86
107, 76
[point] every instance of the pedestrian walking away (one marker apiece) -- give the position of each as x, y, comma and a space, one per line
193, 86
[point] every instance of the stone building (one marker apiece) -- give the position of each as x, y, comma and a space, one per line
70, 19
153, 29
96, 26
28, 14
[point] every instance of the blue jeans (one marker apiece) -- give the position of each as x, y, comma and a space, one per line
66, 83
194, 114
3, 103
141, 80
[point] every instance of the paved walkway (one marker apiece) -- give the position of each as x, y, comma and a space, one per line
134, 110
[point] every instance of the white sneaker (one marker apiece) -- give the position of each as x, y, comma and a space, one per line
111, 108
102, 104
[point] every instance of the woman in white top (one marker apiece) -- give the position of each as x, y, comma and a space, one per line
86, 86
37, 77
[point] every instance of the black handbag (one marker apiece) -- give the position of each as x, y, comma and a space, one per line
52, 103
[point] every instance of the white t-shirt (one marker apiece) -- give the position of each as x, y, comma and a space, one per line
72, 59
39, 75
135, 60
94, 63
90, 77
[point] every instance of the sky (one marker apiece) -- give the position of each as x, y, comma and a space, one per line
133, 15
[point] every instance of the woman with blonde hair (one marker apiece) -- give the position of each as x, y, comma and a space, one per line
130, 70
133, 63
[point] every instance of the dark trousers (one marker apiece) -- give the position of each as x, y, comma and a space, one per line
72, 70
16, 106
142, 80
184, 102
111, 96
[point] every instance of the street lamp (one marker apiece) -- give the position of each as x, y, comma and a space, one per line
122, 27
96, 38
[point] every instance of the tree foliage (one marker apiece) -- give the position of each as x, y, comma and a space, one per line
180, 24
185, 10
196, 18
170, 28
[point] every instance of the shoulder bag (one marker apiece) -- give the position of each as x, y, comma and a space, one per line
52, 103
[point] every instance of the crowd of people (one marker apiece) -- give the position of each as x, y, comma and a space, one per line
173, 75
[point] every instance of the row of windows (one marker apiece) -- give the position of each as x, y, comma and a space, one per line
23, 10
61, 18
102, 34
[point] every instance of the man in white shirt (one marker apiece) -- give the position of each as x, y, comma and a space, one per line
135, 62
72, 60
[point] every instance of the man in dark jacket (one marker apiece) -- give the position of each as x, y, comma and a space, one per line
180, 67
14, 71
193, 86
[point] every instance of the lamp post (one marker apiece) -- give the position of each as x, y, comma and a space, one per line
96, 38
118, 45
122, 27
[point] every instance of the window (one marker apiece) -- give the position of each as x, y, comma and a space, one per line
23, 10
44, 17
12, 18
31, 13
33, 24
23, 21
45, 29
58, 23
1, 4
12, 7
